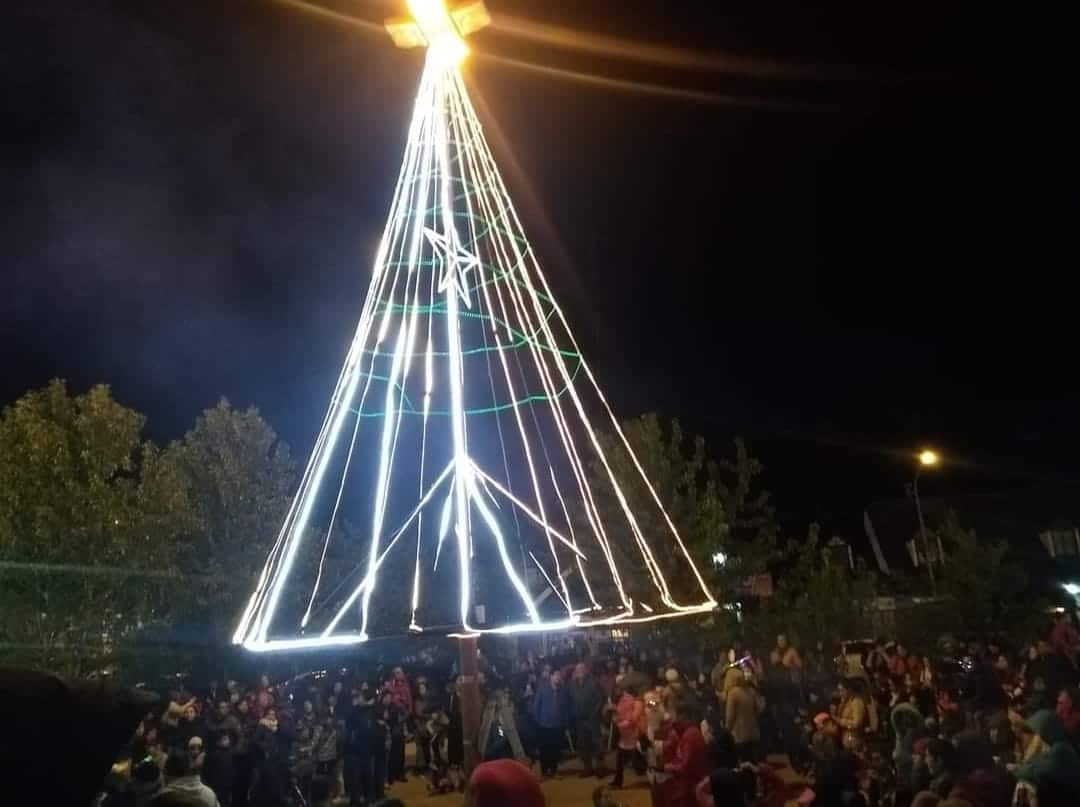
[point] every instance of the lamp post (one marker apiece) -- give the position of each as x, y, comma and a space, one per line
927, 459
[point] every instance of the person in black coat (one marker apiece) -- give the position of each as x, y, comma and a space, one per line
384, 715
359, 773
270, 785
217, 772
455, 750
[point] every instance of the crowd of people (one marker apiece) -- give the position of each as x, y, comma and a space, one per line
963, 723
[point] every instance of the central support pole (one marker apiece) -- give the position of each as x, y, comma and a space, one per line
471, 708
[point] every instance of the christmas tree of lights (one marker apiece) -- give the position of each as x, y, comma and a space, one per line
458, 444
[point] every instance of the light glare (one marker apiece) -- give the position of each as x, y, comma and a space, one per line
438, 28
928, 458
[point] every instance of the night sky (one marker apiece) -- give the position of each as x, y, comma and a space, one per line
853, 236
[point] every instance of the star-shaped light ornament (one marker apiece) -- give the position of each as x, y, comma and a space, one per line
456, 262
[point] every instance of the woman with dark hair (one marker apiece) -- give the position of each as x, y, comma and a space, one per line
719, 743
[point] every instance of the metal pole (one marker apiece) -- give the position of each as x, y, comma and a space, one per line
922, 532
470, 701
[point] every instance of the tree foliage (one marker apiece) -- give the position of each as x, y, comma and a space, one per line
87, 509
816, 598
238, 477
104, 536
983, 586
753, 532
714, 504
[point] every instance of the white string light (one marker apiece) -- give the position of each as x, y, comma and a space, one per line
440, 298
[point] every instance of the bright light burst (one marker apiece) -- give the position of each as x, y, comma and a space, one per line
458, 442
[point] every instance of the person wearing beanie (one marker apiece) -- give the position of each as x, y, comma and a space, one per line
501, 783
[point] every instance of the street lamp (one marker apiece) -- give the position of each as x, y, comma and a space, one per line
927, 459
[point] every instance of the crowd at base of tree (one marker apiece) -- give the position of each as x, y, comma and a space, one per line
117, 554
960, 723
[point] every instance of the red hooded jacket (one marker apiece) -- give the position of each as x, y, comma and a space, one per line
687, 759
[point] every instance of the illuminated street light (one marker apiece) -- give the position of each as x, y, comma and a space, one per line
719, 559
1072, 589
928, 458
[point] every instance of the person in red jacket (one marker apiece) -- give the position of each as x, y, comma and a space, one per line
628, 715
401, 691
685, 757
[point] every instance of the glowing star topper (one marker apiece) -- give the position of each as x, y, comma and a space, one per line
439, 27
457, 465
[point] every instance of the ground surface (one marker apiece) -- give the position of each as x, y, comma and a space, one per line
566, 790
